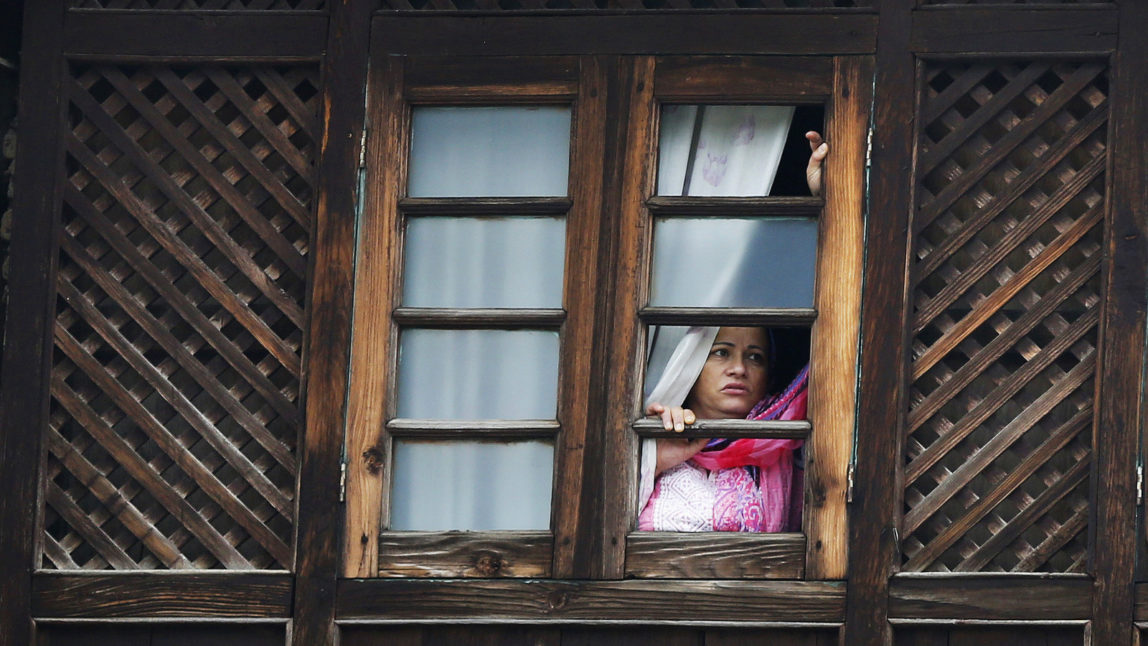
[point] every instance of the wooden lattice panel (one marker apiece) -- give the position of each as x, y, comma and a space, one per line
196, 5
178, 337
653, 5
1008, 232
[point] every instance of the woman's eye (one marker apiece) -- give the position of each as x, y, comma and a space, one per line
757, 357
719, 352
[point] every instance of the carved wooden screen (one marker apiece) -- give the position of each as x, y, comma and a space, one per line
178, 337
1005, 283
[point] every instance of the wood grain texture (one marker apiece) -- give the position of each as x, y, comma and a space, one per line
458, 429
320, 516
991, 598
716, 555
465, 554
376, 280
782, 429
470, 206
874, 519
833, 364
278, 36
738, 79
31, 301
728, 207
791, 317
742, 602
1013, 30
156, 595
1120, 391
477, 318
653, 33
470, 635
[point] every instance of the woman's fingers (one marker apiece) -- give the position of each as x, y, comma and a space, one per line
674, 418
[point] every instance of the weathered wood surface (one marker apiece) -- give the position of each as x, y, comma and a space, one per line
470, 206
743, 79
649, 601
1119, 430
179, 36
991, 598
792, 317
1027, 635
465, 554
461, 80
715, 555
459, 429
732, 207
1014, 30
164, 634
873, 530
655, 33
471, 318
781, 429
27, 332
157, 595
330, 304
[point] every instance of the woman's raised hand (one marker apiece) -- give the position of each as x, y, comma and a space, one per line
671, 453
818, 150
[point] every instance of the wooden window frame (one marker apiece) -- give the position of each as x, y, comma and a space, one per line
593, 506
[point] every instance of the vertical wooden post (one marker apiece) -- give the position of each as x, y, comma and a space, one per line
873, 525
328, 335
31, 307
1120, 387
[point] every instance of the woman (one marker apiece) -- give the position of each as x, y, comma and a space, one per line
722, 485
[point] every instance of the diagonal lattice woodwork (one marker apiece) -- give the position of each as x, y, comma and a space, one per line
652, 5
1006, 289
178, 337
196, 5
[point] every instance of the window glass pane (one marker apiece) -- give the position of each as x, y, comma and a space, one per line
484, 262
471, 485
490, 151
478, 374
734, 262
721, 150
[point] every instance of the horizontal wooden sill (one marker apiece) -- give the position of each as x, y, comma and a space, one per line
789, 429
734, 207
511, 554
715, 555
460, 429
781, 317
1000, 597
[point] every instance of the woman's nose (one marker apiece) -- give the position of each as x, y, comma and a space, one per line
737, 367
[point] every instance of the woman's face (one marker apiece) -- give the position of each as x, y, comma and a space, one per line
735, 375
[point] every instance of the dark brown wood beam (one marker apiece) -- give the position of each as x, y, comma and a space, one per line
668, 601
1014, 30
1120, 390
875, 515
31, 305
328, 334
991, 598
649, 33
179, 36
155, 595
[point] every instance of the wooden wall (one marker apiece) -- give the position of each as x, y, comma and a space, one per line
176, 350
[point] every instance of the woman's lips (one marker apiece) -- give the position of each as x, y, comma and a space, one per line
735, 389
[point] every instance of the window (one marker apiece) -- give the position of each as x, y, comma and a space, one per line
506, 377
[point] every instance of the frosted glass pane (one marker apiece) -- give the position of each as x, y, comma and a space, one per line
471, 485
735, 154
509, 151
478, 374
484, 262
742, 262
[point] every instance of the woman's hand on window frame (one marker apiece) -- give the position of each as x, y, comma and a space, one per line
818, 150
671, 453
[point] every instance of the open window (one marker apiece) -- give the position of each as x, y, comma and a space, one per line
517, 272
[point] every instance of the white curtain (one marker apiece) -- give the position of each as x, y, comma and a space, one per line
706, 151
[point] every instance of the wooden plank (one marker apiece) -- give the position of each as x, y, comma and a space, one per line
1140, 612
715, 555
477, 318
791, 317
730, 207
465, 554
1120, 388
159, 595
479, 206
573, 516
469, 635
626, 224
873, 539
833, 364
538, 601
377, 292
477, 429
328, 334
27, 347
179, 36
649, 33
731, 428
739, 79
991, 598
1012, 30
449, 80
